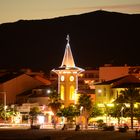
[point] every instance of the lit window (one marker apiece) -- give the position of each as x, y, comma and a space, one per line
81, 75
99, 92
62, 92
71, 92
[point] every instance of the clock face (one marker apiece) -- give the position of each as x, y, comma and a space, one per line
62, 78
71, 78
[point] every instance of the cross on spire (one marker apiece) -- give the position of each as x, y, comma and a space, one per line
68, 38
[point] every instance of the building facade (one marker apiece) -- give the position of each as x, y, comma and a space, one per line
107, 91
109, 72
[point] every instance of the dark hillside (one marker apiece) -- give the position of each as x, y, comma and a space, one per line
96, 38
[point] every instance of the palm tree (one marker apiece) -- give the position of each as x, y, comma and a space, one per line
85, 102
129, 95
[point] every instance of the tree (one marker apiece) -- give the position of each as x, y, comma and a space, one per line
33, 114
3, 115
85, 103
69, 112
129, 95
116, 111
7, 113
95, 111
137, 113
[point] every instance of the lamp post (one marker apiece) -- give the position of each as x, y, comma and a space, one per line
122, 115
81, 109
4, 94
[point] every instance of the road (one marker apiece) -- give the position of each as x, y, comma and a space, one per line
45, 134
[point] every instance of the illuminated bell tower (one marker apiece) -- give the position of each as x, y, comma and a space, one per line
68, 77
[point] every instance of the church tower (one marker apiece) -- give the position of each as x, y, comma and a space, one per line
68, 77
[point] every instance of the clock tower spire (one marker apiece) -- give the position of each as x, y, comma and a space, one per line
68, 60
68, 77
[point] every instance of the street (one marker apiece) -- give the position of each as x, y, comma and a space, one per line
46, 134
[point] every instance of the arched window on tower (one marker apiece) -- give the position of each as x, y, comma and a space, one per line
62, 92
72, 90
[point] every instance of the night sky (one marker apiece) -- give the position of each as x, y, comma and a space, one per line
13, 10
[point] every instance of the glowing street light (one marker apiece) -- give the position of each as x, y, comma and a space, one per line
48, 91
99, 91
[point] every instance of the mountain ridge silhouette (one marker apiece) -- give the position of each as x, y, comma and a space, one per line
96, 38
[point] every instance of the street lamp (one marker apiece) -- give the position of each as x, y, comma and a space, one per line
81, 110
48, 91
4, 94
122, 114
